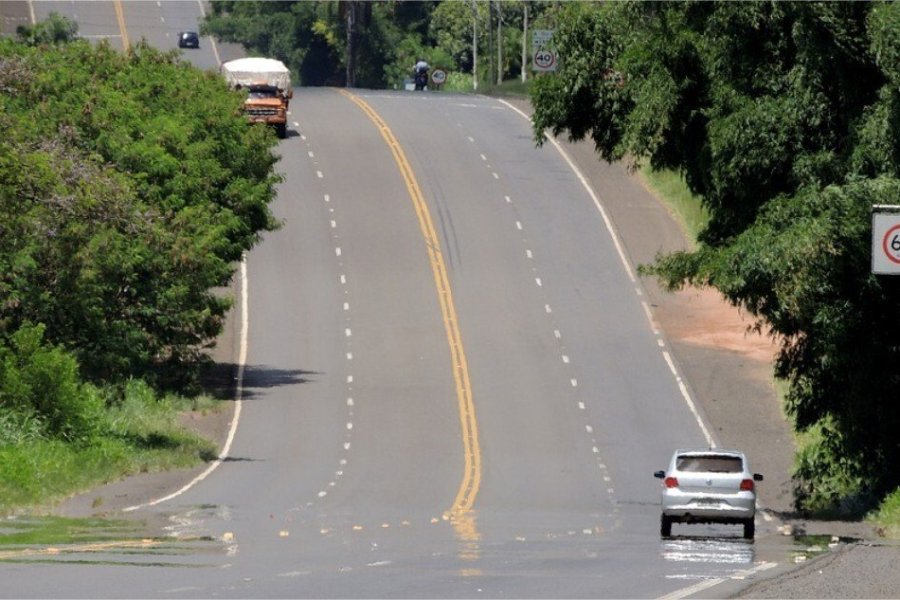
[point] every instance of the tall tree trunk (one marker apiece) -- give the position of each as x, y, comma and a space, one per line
352, 18
524, 43
474, 46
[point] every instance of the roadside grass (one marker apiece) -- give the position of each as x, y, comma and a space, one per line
141, 434
462, 82
510, 87
671, 189
887, 516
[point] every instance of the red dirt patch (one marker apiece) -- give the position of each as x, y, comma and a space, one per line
704, 318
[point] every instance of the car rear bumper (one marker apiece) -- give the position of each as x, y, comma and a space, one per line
708, 512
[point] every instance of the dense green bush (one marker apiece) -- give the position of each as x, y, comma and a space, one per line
55, 30
59, 435
40, 389
129, 187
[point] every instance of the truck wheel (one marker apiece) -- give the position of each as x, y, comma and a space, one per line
749, 529
665, 526
281, 130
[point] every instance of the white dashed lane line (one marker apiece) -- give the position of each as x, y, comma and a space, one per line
348, 332
566, 359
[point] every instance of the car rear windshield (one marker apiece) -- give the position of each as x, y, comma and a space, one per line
709, 464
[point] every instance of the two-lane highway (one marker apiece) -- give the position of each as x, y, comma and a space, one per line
125, 23
452, 386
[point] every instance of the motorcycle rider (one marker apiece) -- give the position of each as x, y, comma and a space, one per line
421, 74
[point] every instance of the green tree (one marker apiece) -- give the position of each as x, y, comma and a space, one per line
451, 27
129, 188
387, 38
303, 35
57, 29
312, 37
783, 117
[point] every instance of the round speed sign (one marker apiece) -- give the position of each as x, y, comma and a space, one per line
891, 244
886, 240
438, 76
544, 59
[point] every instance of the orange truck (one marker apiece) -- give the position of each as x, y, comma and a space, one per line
268, 85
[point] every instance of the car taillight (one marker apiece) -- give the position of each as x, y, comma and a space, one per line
672, 482
747, 485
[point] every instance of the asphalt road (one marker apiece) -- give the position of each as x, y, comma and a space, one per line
453, 386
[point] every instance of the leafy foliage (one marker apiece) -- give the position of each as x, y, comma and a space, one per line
388, 37
40, 388
55, 30
129, 187
784, 118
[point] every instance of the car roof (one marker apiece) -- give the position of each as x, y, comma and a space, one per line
708, 452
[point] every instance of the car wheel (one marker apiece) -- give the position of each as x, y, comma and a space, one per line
749, 529
665, 526
281, 130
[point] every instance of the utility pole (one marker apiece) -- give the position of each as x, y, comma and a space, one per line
524, 42
490, 40
351, 46
499, 44
474, 46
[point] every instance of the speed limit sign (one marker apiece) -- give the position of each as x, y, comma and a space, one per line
886, 241
438, 76
544, 60
543, 56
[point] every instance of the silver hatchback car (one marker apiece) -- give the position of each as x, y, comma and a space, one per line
708, 486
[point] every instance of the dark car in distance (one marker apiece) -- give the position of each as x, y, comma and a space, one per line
188, 39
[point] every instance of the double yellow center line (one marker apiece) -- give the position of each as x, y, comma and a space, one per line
471, 482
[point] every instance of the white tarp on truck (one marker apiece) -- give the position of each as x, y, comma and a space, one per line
247, 72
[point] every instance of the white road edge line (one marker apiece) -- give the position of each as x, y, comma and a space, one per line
238, 400
212, 40
620, 249
704, 585
683, 593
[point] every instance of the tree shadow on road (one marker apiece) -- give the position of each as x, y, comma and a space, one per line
220, 380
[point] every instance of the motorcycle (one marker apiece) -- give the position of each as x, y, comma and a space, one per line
421, 80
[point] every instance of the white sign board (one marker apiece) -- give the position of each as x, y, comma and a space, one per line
886, 243
543, 57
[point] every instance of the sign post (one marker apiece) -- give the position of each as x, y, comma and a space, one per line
543, 57
886, 240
